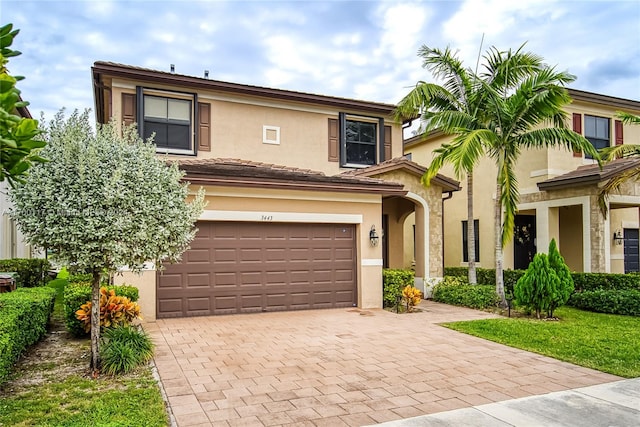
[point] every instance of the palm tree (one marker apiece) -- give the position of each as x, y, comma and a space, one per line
615, 152
517, 103
445, 108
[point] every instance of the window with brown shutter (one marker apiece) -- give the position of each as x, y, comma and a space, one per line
619, 135
577, 127
204, 126
128, 108
333, 140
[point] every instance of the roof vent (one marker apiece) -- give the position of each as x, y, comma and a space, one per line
206, 74
173, 68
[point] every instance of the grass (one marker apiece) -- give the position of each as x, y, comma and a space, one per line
78, 401
51, 386
606, 342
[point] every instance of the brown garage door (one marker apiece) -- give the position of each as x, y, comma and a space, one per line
240, 267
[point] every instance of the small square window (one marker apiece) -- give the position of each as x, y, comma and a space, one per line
271, 135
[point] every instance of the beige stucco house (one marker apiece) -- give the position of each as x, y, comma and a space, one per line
558, 197
307, 194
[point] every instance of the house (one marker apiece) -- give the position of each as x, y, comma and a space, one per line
558, 197
307, 194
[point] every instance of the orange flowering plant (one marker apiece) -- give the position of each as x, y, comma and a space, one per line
114, 310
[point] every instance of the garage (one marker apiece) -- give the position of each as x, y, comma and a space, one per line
244, 267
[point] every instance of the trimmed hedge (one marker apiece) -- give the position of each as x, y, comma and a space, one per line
456, 291
76, 294
625, 302
581, 281
393, 282
32, 272
24, 315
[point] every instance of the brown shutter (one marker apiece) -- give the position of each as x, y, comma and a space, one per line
619, 136
204, 126
128, 108
387, 142
577, 127
333, 140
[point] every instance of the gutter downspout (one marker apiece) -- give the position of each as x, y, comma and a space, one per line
444, 199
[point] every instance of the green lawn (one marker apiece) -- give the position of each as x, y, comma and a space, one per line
51, 386
606, 342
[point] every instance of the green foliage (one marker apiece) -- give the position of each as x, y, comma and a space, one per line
537, 288
24, 315
456, 291
487, 276
80, 278
32, 272
63, 273
625, 302
608, 281
393, 282
77, 294
565, 285
124, 348
18, 146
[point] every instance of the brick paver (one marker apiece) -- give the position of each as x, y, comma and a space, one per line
342, 367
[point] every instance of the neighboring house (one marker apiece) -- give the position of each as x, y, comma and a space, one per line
307, 194
12, 243
558, 197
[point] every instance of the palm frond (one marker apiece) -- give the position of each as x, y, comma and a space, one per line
620, 151
628, 118
613, 185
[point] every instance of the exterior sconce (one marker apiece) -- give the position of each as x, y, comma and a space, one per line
617, 237
373, 236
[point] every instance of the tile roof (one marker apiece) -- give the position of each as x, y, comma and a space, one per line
448, 184
589, 174
237, 171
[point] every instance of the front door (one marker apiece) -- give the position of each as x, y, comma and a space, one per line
524, 241
631, 252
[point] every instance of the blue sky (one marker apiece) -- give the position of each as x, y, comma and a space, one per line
355, 49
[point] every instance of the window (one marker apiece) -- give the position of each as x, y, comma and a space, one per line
359, 140
596, 130
465, 252
170, 119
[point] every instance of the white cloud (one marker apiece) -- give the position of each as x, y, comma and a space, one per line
402, 27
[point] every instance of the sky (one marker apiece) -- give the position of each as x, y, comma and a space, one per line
355, 49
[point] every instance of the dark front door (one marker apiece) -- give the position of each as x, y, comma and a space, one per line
524, 243
631, 253
385, 241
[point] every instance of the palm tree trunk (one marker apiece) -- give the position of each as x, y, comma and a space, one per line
498, 248
471, 234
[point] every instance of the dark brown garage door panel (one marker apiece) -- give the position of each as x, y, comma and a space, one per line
247, 267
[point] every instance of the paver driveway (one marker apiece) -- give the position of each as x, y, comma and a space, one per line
342, 367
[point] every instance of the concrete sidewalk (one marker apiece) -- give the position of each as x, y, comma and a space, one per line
612, 404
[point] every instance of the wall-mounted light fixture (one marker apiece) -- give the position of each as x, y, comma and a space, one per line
373, 236
618, 239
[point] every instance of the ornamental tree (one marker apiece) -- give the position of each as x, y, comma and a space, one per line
535, 289
565, 284
103, 201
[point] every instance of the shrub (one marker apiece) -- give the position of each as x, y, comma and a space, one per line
536, 289
456, 291
411, 297
31, 272
114, 310
24, 315
486, 276
80, 278
124, 348
625, 302
76, 294
565, 282
609, 281
393, 282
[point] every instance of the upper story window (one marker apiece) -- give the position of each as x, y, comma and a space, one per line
596, 130
170, 117
361, 142
358, 141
